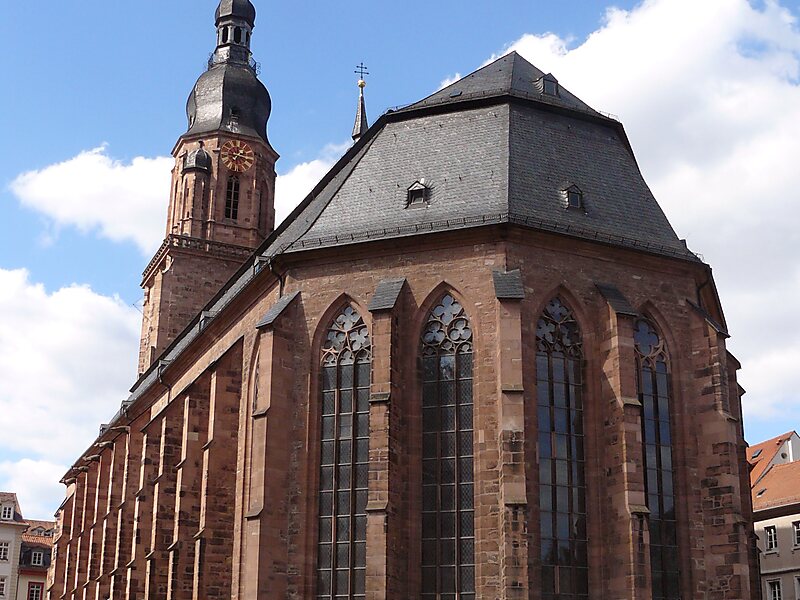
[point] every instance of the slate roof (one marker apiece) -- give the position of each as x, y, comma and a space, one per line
508, 286
508, 75
500, 152
386, 294
616, 300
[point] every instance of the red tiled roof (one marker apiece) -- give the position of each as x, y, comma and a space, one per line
39, 540
760, 455
43, 540
780, 486
33, 524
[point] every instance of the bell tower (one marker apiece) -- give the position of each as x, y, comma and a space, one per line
222, 193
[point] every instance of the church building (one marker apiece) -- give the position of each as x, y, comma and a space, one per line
475, 363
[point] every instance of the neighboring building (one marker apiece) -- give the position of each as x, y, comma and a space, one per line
775, 477
476, 362
34, 560
12, 525
779, 450
25, 549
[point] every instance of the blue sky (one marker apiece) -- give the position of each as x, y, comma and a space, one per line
708, 93
119, 73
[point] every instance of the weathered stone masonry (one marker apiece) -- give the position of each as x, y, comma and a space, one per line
503, 192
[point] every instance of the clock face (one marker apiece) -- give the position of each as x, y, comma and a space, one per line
237, 156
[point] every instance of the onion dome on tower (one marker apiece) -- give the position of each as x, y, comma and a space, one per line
228, 96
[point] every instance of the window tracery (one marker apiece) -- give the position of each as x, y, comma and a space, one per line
448, 519
344, 458
654, 395
562, 481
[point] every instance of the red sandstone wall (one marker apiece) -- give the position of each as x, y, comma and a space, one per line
227, 480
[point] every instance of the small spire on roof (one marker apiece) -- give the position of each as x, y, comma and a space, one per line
361, 124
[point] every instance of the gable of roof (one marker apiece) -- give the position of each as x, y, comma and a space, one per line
11, 498
509, 75
760, 456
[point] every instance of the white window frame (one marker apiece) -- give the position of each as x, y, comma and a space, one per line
5, 549
774, 590
35, 587
796, 531
37, 554
770, 538
2, 587
8, 513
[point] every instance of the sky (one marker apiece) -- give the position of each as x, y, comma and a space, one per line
93, 99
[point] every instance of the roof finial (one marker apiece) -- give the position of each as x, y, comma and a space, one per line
361, 124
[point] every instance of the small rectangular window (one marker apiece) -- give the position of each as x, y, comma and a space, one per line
37, 558
3, 551
232, 199
774, 590
35, 591
771, 541
2, 587
796, 531
8, 512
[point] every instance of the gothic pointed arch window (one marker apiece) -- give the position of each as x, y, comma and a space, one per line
448, 513
562, 480
344, 458
652, 364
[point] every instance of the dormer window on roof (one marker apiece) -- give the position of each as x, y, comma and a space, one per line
8, 513
417, 194
549, 85
757, 453
572, 196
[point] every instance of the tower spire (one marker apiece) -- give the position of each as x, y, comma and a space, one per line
361, 124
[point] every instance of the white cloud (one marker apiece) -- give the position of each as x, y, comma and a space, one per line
709, 95
292, 187
36, 483
94, 192
127, 202
67, 359
449, 80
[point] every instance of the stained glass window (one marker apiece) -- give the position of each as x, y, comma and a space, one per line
654, 394
562, 480
344, 459
448, 509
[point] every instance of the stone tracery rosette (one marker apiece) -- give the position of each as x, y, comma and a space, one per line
347, 340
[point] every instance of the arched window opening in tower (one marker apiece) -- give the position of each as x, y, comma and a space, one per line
654, 394
232, 198
224, 35
344, 459
448, 508
237, 35
562, 480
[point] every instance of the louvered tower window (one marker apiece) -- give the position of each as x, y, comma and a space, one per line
344, 459
232, 198
654, 394
448, 517
562, 481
